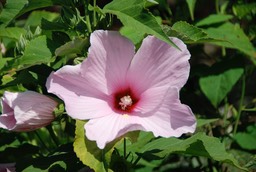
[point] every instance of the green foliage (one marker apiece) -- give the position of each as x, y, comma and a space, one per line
88, 152
10, 11
39, 37
132, 13
216, 85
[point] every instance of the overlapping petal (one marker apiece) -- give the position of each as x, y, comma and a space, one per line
82, 100
108, 60
156, 64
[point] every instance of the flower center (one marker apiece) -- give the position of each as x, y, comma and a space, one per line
125, 102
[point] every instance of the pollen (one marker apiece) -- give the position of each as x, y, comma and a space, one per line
125, 102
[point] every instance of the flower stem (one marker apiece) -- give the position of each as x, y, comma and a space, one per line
240, 105
41, 141
87, 17
94, 14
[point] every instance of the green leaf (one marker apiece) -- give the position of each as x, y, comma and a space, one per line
36, 52
202, 122
12, 32
247, 139
88, 152
191, 7
187, 32
197, 145
73, 47
133, 35
213, 19
35, 18
220, 81
234, 38
241, 10
132, 13
10, 11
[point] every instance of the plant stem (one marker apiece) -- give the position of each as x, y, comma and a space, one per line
53, 136
240, 105
87, 17
41, 141
124, 148
217, 6
94, 14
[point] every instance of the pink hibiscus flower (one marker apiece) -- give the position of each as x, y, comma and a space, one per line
119, 90
26, 111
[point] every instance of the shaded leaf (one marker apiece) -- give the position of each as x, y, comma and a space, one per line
132, 13
220, 81
202, 122
191, 7
241, 10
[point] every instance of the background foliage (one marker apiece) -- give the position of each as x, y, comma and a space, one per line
38, 37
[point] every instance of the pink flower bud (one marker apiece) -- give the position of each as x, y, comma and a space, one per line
26, 111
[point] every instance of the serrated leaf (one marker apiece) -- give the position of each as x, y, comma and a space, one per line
191, 7
133, 35
220, 81
234, 38
88, 152
197, 145
12, 32
10, 10
132, 13
36, 52
213, 19
188, 33
75, 46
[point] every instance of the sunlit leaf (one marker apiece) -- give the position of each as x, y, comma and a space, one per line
12, 32
247, 139
36, 52
88, 152
11, 9
75, 46
35, 18
132, 13
213, 19
197, 145
234, 38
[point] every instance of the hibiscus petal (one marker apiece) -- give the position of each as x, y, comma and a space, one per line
157, 63
171, 119
106, 129
108, 60
7, 121
82, 100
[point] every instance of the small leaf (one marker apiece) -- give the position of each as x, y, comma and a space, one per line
191, 7
213, 19
10, 11
247, 139
132, 13
241, 10
220, 81
88, 152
